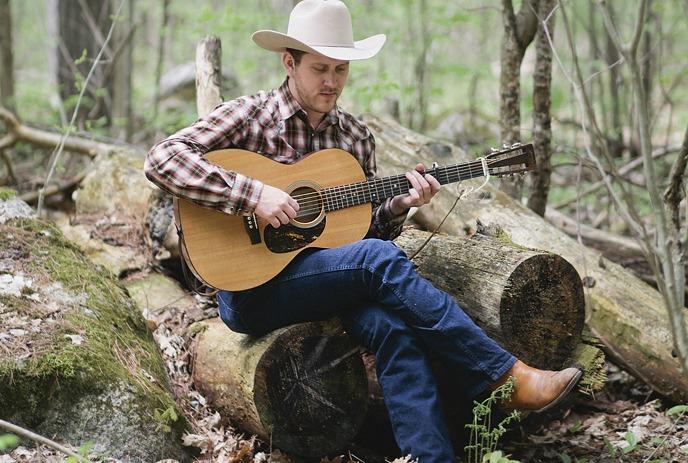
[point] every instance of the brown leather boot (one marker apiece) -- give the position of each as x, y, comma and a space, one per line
538, 390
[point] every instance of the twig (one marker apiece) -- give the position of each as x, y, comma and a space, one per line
437, 228
32, 196
58, 151
42, 440
623, 170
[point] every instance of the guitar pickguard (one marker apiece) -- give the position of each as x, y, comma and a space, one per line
288, 238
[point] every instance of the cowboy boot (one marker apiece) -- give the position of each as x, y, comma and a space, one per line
538, 390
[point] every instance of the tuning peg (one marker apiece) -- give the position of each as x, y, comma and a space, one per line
494, 150
516, 145
505, 146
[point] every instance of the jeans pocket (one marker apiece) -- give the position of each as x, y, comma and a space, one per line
228, 304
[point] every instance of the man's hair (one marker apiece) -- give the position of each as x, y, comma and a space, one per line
296, 54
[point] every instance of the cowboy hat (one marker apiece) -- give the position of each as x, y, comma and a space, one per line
322, 27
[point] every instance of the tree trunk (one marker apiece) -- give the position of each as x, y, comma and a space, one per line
542, 119
122, 71
615, 83
619, 306
81, 26
208, 75
519, 30
529, 301
303, 388
160, 57
6, 60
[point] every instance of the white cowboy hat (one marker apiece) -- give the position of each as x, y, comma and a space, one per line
322, 27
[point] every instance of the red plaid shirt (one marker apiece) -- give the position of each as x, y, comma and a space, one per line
269, 123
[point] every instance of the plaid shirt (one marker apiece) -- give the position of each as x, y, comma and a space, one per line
269, 123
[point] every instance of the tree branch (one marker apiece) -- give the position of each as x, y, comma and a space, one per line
41, 440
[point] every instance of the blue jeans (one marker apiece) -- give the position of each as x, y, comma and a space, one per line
386, 306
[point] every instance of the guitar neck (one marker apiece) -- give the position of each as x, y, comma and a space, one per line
379, 189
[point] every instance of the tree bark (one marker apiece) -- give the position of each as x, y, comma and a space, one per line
303, 388
160, 56
81, 26
6, 58
618, 305
121, 73
542, 119
519, 30
208, 74
529, 301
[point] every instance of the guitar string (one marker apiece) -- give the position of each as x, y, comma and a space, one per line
348, 195
311, 203
460, 169
329, 195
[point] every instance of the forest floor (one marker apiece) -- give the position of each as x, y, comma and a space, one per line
625, 422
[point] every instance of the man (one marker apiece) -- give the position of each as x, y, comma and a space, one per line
370, 285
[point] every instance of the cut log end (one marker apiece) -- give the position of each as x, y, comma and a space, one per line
536, 313
310, 391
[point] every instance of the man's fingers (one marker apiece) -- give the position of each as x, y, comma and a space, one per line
423, 185
283, 218
434, 184
291, 213
293, 203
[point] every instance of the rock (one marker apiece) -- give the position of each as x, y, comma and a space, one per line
117, 259
155, 292
14, 208
78, 364
115, 184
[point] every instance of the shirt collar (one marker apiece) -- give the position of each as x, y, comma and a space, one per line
288, 107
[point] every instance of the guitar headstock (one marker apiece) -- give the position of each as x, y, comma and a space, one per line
510, 160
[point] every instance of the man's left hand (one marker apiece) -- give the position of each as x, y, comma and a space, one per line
424, 188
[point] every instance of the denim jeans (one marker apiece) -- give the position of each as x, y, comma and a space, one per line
390, 309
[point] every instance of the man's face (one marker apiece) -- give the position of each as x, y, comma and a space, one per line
316, 81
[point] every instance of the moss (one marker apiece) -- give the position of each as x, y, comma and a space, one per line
117, 345
7, 193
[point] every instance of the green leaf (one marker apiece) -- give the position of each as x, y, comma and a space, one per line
677, 409
630, 438
8, 441
565, 458
496, 457
611, 450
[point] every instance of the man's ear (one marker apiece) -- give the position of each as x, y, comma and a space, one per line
288, 63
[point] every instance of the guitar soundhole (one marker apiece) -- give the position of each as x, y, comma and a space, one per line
310, 206
302, 230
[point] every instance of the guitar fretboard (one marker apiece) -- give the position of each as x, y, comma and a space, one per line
379, 189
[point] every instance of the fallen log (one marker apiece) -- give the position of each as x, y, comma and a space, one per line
529, 301
303, 388
619, 307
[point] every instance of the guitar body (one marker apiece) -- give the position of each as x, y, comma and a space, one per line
219, 246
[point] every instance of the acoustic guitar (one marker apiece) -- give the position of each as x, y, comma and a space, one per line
234, 252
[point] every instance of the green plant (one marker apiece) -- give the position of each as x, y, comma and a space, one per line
484, 436
164, 418
8, 441
82, 452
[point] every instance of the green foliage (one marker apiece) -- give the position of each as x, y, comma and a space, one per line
8, 442
6, 193
164, 418
632, 442
82, 451
484, 435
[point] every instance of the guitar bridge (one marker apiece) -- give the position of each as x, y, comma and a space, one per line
251, 225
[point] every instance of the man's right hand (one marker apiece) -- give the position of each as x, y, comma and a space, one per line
276, 206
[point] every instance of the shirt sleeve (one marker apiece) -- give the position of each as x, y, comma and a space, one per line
177, 165
384, 224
